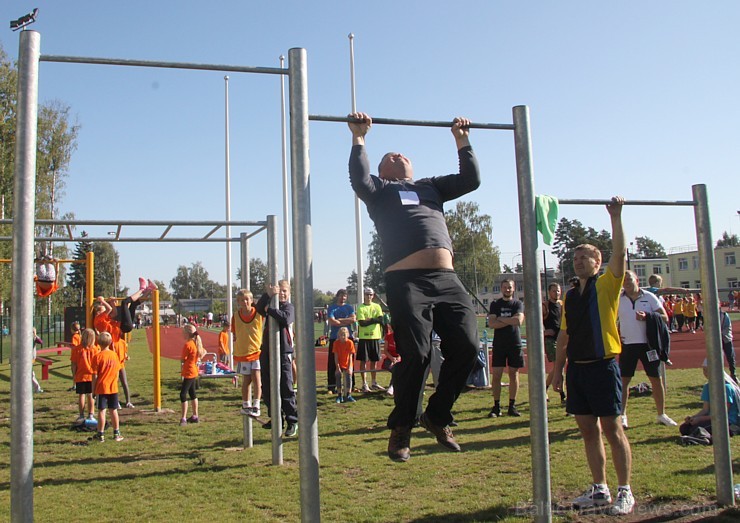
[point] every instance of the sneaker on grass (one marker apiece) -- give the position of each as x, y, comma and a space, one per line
495, 412
376, 386
513, 411
625, 502
117, 436
365, 388
594, 496
665, 420
291, 430
623, 419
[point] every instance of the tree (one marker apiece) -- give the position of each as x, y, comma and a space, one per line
648, 248
77, 276
107, 270
321, 298
476, 258
352, 286
507, 270
728, 240
258, 276
374, 275
570, 234
164, 294
191, 283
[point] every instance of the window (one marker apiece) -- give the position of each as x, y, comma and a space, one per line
518, 285
640, 271
733, 283
485, 302
485, 289
729, 258
496, 289
697, 284
657, 269
685, 284
694, 262
683, 264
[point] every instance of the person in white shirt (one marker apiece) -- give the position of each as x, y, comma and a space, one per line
634, 306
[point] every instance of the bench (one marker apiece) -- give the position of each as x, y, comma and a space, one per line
61, 347
45, 364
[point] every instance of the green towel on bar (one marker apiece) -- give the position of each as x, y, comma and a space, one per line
546, 214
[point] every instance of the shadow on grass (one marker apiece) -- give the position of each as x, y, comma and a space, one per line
494, 513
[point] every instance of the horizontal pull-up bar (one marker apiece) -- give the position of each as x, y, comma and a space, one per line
6, 260
164, 65
418, 123
576, 201
142, 239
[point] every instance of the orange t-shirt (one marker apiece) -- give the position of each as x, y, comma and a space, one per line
120, 347
76, 342
189, 359
223, 343
106, 366
104, 323
83, 357
344, 351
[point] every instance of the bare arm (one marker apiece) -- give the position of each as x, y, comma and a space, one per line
618, 261
561, 355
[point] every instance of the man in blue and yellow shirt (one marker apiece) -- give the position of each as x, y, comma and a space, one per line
589, 341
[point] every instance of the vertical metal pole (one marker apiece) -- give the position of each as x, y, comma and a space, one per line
24, 192
308, 435
358, 207
156, 357
284, 141
274, 347
89, 288
713, 341
244, 253
229, 300
533, 306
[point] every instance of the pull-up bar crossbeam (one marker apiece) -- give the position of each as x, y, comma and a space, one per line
581, 201
164, 65
417, 123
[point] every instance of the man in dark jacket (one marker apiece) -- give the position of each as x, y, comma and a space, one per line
284, 315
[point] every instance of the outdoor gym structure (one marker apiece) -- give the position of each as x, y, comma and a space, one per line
23, 241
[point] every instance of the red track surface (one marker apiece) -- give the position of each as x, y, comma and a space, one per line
687, 350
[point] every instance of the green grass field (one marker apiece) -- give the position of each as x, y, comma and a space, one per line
163, 472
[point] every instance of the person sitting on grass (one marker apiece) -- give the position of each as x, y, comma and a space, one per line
192, 352
344, 349
105, 386
82, 362
703, 418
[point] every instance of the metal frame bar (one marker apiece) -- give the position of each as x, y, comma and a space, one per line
415, 123
712, 329
162, 65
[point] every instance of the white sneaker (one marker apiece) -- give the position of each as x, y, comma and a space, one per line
665, 420
246, 410
255, 412
80, 420
594, 496
365, 388
389, 391
625, 502
625, 425
377, 387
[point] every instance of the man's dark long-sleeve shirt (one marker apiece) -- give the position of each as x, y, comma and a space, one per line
408, 214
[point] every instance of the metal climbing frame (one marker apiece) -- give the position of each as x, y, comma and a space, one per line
533, 299
21, 462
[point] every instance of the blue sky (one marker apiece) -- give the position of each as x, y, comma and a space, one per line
631, 98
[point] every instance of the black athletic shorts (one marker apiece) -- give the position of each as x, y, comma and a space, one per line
368, 350
634, 352
513, 355
594, 388
83, 387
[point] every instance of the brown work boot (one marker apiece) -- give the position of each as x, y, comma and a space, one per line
398, 444
444, 434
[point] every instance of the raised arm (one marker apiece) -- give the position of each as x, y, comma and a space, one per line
468, 178
618, 261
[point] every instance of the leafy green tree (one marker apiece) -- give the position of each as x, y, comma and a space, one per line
648, 248
257, 276
164, 294
191, 283
107, 270
77, 275
477, 260
728, 240
321, 298
374, 276
570, 234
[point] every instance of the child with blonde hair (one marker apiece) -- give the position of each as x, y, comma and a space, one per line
246, 326
344, 349
82, 361
105, 386
192, 352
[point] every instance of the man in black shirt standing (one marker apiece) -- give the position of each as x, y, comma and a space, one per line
424, 293
552, 309
505, 317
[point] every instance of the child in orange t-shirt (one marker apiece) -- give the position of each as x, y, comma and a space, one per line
344, 349
391, 355
223, 343
82, 362
76, 342
105, 385
192, 351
